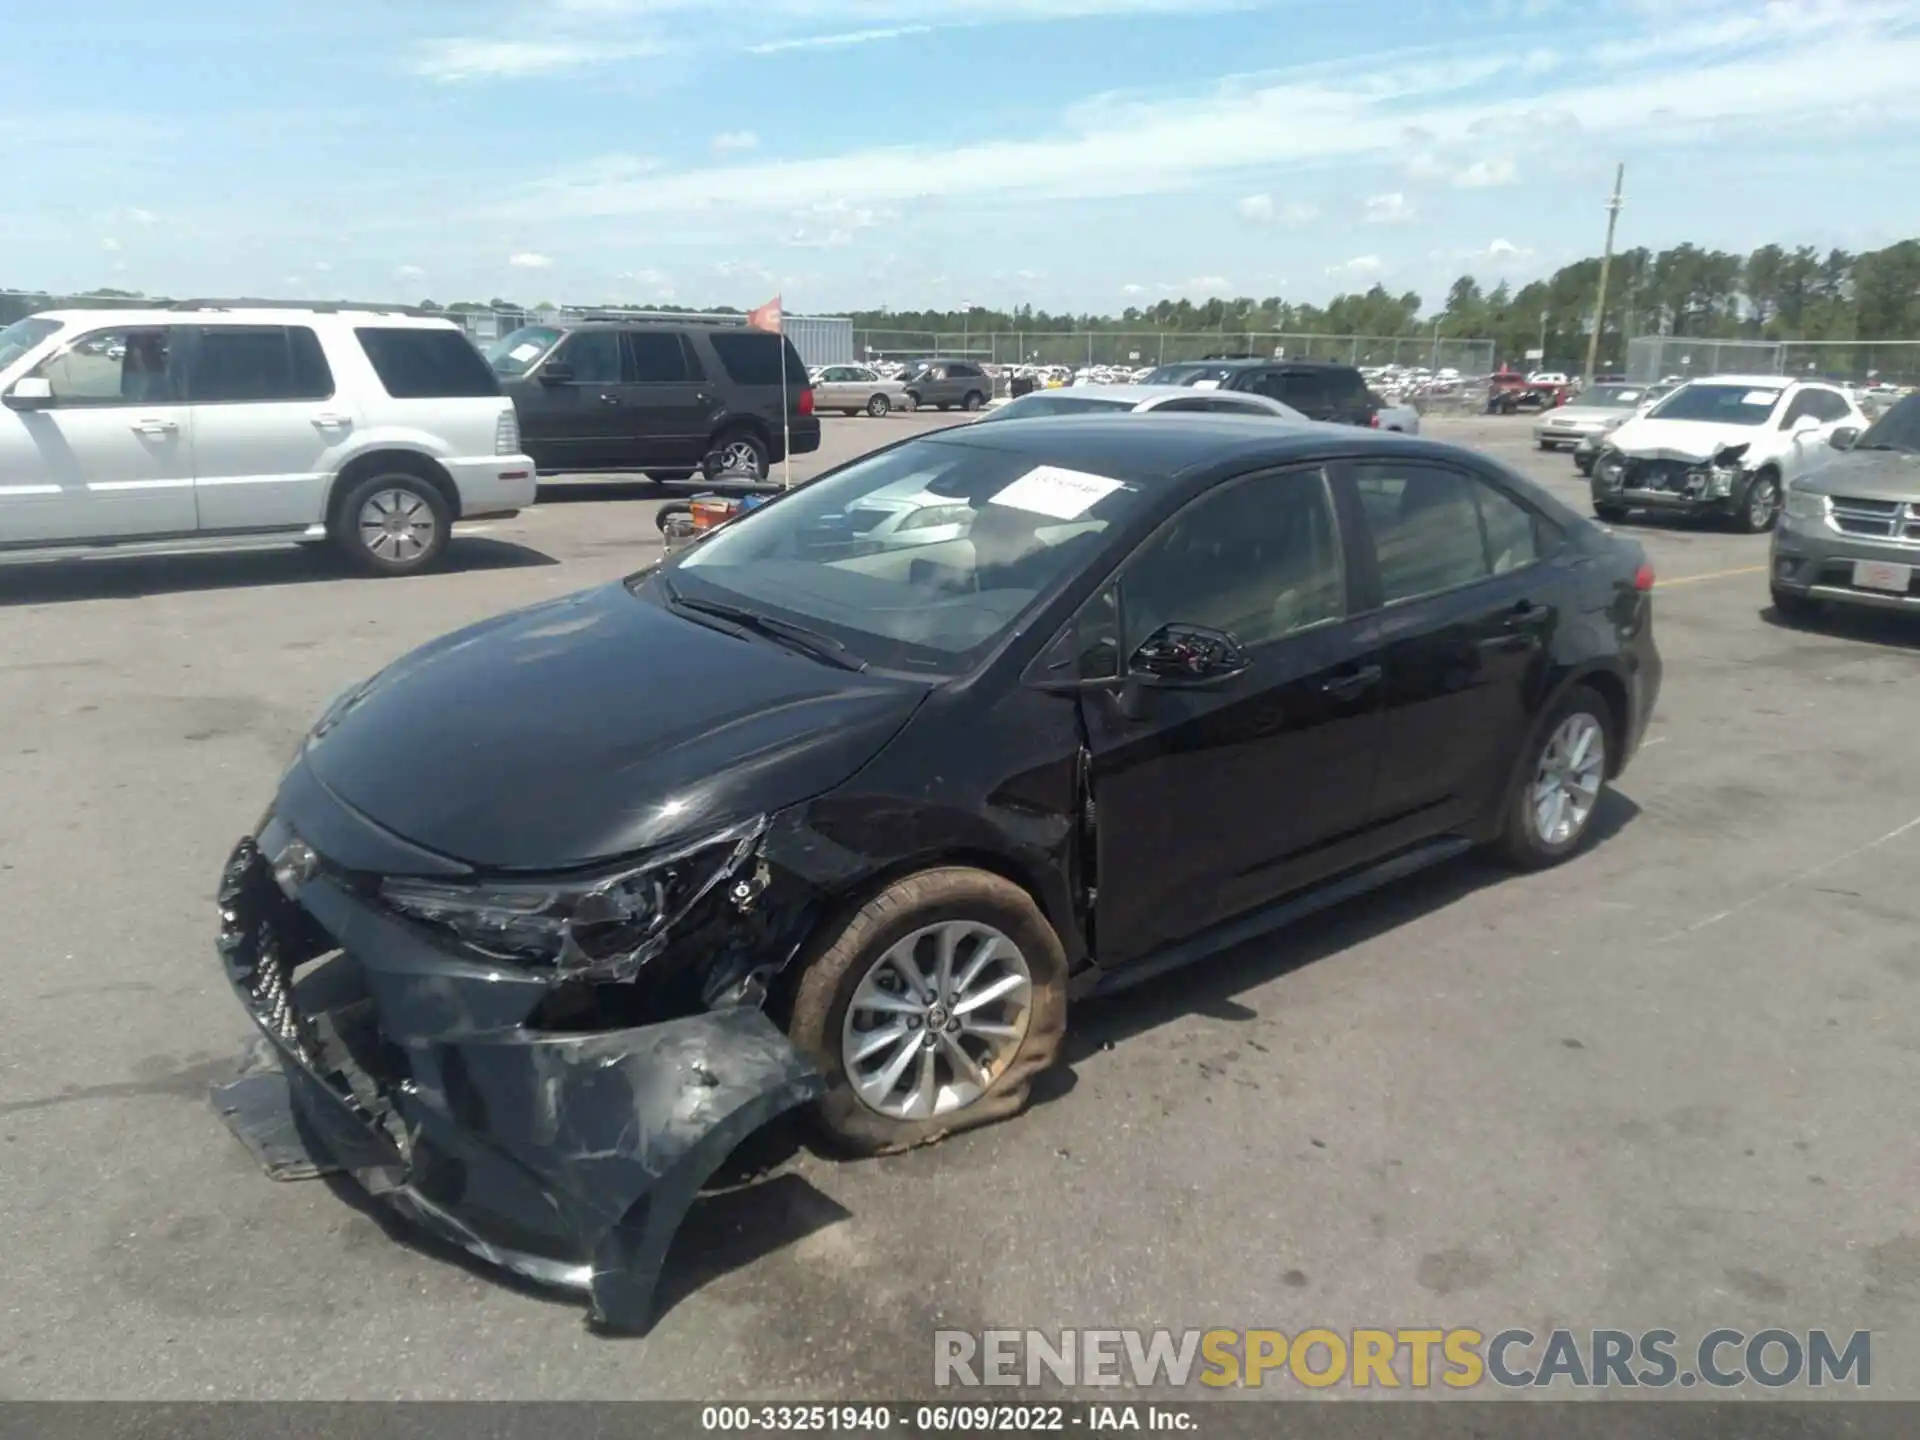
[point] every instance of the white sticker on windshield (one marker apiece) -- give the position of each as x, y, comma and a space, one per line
1206, 384
1061, 494
1759, 397
525, 351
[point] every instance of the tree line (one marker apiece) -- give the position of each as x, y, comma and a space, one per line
1775, 293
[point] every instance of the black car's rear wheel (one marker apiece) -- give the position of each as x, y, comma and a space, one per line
1566, 772
931, 1010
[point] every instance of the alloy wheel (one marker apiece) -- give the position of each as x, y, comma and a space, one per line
1566, 785
1760, 502
936, 1020
396, 525
742, 455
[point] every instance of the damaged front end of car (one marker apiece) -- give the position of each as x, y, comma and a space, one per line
479, 1052
1669, 481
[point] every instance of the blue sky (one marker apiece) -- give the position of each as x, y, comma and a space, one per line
1072, 154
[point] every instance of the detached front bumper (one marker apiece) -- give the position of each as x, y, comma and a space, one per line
569, 1158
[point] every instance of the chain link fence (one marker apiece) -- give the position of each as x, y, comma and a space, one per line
1859, 362
1082, 348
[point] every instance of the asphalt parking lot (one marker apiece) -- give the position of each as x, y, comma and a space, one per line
1668, 1085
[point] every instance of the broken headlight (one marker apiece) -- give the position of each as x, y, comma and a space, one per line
602, 926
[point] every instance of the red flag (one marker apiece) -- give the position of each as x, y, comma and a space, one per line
767, 317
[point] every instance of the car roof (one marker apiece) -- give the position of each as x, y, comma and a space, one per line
1139, 394
1757, 382
278, 315
1155, 448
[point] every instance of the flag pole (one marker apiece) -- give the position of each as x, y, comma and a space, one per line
786, 415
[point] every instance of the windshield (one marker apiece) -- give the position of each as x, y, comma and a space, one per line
1056, 403
513, 355
1187, 374
1614, 396
1719, 404
1897, 429
21, 336
926, 597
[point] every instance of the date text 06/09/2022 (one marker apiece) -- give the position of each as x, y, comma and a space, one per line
947, 1419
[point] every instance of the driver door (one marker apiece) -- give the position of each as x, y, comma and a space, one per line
1213, 800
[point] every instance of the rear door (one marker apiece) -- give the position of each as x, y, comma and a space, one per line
268, 427
1461, 571
112, 457
666, 404
1213, 802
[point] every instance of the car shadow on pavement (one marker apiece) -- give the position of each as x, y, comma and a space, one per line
1892, 630
122, 577
1211, 987
723, 1232
610, 487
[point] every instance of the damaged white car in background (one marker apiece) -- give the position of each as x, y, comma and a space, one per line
1724, 446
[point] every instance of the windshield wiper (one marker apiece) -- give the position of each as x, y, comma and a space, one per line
794, 637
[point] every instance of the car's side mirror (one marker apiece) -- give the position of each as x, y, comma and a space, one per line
1187, 655
33, 393
1843, 438
555, 372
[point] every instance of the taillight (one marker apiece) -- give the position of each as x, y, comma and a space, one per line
1374, 420
506, 434
806, 401
1643, 577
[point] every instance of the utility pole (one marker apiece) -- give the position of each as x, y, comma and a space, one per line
1606, 264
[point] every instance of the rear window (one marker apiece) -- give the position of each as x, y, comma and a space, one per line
1346, 387
257, 362
427, 364
752, 357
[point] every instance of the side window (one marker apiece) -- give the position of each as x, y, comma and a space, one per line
1304, 391
1426, 528
114, 367
963, 372
655, 357
593, 356
1514, 535
1829, 404
238, 363
1258, 558
836, 374
1801, 404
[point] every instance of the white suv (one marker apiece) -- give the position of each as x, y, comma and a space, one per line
373, 430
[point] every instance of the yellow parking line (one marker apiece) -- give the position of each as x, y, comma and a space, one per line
1710, 575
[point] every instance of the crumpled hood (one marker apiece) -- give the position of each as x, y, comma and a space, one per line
594, 726
1870, 474
1692, 440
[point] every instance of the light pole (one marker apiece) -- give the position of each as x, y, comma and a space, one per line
1606, 264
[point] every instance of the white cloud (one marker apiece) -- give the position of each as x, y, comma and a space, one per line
1486, 174
1258, 208
142, 217
734, 140
657, 279
1388, 209
1261, 210
1133, 289
1361, 267
529, 260
839, 39
461, 60
1506, 250
110, 245
820, 239
322, 266
410, 272
1328, 116
1029, 276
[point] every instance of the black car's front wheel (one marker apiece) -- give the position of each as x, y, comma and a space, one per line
1566, 772
931, 1010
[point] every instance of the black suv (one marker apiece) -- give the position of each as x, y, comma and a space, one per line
1318, 389
642, 395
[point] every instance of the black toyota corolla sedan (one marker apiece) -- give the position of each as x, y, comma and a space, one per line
844, 805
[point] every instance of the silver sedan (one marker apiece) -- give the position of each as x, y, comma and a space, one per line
855, 389
1159, 399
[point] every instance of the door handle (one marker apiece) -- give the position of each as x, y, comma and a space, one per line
1353, 685
331, 420
1527, 615
609, 399
155, 427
